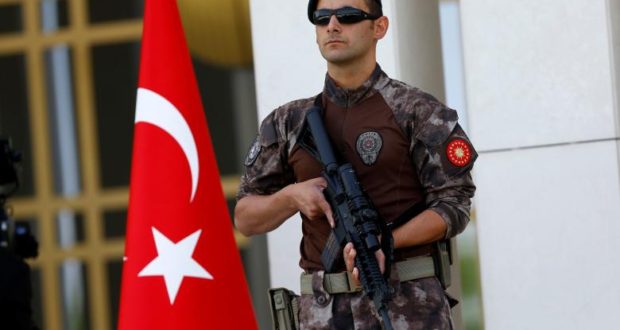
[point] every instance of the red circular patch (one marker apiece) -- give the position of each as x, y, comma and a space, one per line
459, 153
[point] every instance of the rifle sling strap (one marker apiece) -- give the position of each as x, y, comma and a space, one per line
409, 214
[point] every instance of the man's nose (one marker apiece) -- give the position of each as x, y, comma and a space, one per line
334, 24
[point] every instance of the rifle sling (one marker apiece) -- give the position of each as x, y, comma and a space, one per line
409, 214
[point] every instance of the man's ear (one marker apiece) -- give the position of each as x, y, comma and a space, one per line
381, 26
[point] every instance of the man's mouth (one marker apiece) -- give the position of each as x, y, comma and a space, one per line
334, 41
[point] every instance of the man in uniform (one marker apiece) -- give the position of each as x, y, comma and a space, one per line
409, 153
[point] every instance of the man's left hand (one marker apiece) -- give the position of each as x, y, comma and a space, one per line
349, 254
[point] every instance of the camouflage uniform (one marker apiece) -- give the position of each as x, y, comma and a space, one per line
406, 156
418, 304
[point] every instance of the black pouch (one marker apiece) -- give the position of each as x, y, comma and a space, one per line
443, 260
284, 306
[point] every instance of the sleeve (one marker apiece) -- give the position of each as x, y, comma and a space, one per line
444, 157
266, 167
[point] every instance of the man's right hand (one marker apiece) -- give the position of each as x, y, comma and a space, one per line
307, 196
259, 214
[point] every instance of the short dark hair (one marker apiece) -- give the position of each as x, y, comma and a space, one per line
374, 8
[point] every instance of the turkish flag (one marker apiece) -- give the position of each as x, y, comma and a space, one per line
182, 268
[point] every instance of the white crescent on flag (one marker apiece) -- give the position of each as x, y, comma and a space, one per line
154, 109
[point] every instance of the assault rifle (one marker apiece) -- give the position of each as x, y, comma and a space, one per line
355, 218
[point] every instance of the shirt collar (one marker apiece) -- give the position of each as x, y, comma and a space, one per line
347, 98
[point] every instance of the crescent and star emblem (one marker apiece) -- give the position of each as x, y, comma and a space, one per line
174, 261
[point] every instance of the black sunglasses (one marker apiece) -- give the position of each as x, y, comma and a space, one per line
344, 15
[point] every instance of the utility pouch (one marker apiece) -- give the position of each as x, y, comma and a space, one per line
443, 260
284, 306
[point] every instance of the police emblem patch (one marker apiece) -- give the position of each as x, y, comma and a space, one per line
368, 146
253, 153
459, 153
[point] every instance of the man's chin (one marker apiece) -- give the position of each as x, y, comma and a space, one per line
336, 58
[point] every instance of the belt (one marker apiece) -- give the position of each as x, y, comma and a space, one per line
410, 269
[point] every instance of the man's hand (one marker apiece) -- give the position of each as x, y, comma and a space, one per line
259, 214
309, 200
349, 254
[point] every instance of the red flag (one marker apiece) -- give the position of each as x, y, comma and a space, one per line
182, 269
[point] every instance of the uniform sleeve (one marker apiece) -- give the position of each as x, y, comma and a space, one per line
444, 157
266, 162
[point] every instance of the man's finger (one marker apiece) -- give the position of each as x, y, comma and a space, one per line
349, 256
319, 181
381, 260
330, 218
324, 205
356, 276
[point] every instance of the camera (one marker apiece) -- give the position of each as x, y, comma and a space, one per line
16, 244
9, 158
15, 236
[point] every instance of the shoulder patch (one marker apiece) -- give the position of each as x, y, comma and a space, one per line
459, 152
253, 153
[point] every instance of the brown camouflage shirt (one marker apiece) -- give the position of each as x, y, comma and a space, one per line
405, 146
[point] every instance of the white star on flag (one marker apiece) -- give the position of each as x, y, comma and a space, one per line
174, 262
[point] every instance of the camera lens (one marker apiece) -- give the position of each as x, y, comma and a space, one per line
21, 231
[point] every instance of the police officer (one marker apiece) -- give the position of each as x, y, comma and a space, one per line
410, 155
